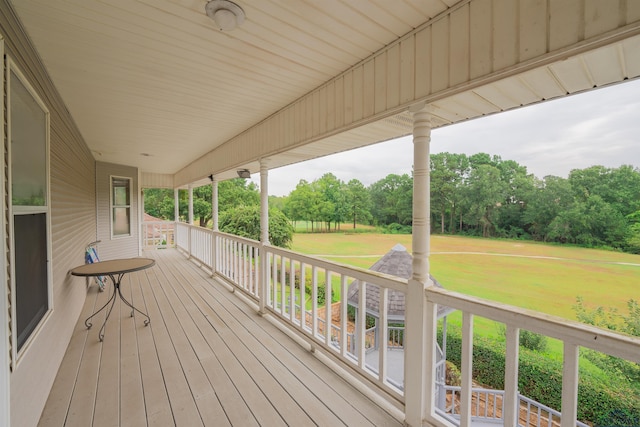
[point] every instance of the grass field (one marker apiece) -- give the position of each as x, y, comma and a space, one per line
541, 277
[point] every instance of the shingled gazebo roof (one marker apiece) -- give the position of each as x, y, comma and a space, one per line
396, 262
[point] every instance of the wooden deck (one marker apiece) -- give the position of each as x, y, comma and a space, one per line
206, 359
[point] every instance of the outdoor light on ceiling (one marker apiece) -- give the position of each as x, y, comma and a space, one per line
244, 173
226, 14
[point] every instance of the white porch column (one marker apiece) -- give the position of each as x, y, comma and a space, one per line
214, 225
190, 204
142, 241
264, 232
420, 354
176, 205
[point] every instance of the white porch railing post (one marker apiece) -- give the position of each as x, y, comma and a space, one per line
570, 385
214, 225
511, 400
466, 369
420, 321
264, 232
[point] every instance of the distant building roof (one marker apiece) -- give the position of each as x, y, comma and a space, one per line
396, 262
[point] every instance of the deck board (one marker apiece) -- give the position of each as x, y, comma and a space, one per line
207, 358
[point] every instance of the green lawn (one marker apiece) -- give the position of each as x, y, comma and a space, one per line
541, 277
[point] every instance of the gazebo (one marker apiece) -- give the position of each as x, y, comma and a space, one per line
396, 262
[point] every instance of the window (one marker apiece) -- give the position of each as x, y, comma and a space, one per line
120, 206
30, 228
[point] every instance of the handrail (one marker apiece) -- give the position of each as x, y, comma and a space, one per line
573, 332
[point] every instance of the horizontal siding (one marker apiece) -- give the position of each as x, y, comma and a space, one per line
73, 225
472, 44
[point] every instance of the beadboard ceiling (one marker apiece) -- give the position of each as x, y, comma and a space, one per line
153, 84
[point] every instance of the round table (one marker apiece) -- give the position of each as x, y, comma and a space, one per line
115, 269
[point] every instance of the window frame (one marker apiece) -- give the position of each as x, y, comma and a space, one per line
112, 205
13, 70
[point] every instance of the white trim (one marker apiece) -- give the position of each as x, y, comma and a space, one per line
131, 196
5, 367
21, 210
140, 213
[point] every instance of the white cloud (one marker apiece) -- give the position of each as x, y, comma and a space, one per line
600, 127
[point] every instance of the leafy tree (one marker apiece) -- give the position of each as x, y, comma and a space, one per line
591, 223
447, 174
519, 187
237, 192
333, 206
358, 202
392, 199
244, 221
550, 196
633, 239
485, 193
159, 202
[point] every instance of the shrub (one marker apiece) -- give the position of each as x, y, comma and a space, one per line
540, 378
529, 340
395, 228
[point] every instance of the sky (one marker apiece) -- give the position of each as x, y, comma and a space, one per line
599, 127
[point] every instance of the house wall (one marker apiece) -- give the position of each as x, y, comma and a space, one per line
472, 44
115, 247
73, 225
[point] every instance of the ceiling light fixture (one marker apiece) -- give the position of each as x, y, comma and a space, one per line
244, 173
226, 14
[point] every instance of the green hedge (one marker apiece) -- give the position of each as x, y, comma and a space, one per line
603, 402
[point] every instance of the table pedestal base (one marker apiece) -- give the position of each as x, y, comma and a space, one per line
112, 300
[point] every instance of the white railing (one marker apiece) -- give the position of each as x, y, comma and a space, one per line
237, 261
182, 236
289, 274
572, 334
295, 280
287, 284
157, 234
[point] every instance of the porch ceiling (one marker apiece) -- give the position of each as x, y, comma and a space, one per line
153, 84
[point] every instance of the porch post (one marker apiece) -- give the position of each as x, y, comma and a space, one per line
420, 355
190, 205
176, 204
264, 232
142, 241
214, 225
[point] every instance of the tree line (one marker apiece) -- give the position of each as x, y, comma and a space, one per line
478, 195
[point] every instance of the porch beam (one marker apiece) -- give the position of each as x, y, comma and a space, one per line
420, 346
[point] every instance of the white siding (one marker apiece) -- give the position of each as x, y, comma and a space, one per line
73, 225
115, 247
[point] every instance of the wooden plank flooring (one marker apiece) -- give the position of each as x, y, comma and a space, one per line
206, 359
